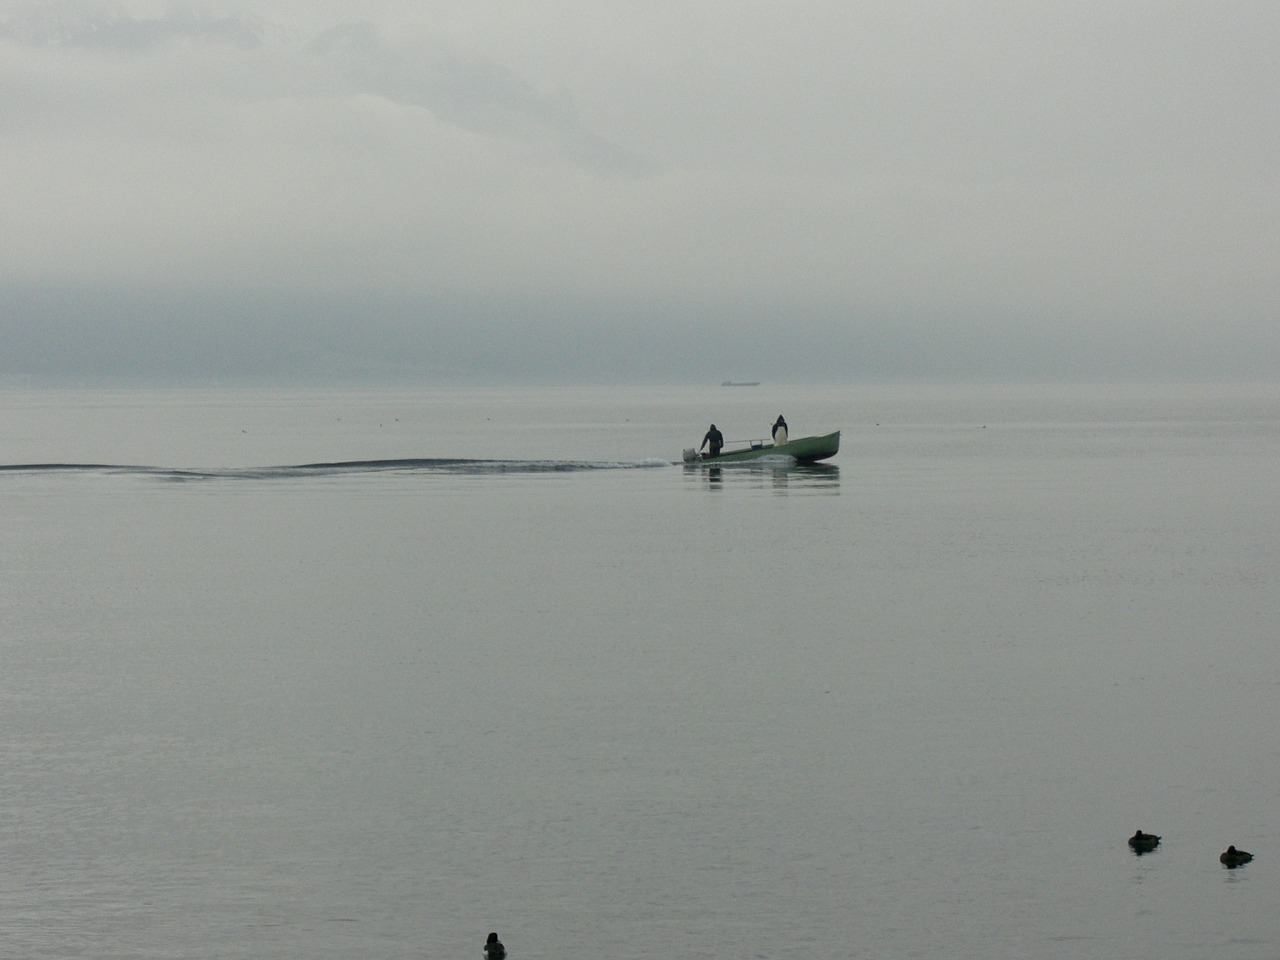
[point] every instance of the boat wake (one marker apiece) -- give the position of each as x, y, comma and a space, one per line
455, 465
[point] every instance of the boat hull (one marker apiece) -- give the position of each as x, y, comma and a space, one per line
802, 449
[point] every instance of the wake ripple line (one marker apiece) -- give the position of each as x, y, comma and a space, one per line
455, 465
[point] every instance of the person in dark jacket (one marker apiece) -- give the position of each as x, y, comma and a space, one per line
493, 948
715, 438
779, 431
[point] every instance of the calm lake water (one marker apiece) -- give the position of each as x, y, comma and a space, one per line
907, 705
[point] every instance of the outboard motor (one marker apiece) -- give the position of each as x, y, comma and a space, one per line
690, 455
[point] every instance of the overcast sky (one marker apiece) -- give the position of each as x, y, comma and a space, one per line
666, 190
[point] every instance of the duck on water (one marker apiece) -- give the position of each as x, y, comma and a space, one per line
1144, 842
1231, 857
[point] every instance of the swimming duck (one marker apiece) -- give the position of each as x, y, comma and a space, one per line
493, 948
1143, 842
1233, 857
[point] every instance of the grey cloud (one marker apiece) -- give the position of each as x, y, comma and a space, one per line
471, 93
100, 333
468, 92
841, 189
108, 26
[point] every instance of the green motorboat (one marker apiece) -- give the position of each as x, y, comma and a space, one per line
802, 449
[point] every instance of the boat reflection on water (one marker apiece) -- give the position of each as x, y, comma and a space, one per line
800, 478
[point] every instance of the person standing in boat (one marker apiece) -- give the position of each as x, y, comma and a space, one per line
779, 431
715, 438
